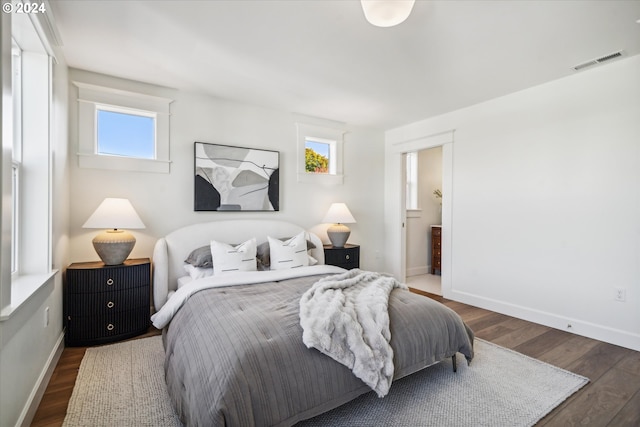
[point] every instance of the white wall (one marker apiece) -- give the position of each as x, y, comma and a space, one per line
165, 201
545, 212
429, 213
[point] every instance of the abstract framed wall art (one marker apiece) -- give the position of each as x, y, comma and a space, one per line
236, 178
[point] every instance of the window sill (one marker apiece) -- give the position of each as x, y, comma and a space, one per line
414, 213
120, 163
23, 288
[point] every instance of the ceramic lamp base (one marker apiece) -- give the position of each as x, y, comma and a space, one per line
114, 246
338, 234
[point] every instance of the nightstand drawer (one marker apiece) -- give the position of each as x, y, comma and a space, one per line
347, 257
102, 303
437, 263
107, 279
92, 330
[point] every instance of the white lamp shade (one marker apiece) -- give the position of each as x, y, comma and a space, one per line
386, 13
339, 214
115, 214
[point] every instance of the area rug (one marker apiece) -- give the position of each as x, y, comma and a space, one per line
123, 384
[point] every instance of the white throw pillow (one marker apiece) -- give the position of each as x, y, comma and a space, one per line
288, 254
230, 259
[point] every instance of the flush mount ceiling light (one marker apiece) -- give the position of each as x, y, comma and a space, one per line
386, 13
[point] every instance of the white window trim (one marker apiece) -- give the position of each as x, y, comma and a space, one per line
323, 134
23, 288
15, 219
90, 97
16, 155
16, 55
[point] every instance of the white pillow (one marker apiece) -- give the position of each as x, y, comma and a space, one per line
198, 272
288, 254
230, 259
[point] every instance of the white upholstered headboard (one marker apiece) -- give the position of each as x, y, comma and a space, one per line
171, 251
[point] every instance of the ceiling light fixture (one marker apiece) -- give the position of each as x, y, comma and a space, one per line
386, 13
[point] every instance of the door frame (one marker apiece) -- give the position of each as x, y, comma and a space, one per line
396, 212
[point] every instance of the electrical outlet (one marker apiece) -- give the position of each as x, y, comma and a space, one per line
46, 317
621, 294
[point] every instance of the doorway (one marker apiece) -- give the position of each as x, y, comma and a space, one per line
423, 212
397, 145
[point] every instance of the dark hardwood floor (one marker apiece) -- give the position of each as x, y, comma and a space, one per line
612, 397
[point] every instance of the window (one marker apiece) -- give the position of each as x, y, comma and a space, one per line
412, 181
126, 133
319, 154
121, 130
28, 193
16, 153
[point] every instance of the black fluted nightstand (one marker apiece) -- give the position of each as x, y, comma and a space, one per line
106, 303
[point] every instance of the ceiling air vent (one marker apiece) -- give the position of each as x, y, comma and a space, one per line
600, 60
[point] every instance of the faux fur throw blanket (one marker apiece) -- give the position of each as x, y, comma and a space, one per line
345, 316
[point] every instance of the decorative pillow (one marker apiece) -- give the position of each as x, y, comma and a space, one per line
200, 257
198, 272
291, 253
229, 259
264, 258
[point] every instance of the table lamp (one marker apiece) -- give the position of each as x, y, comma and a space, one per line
338, 233
114, 244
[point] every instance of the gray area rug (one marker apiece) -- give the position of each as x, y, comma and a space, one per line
123, 385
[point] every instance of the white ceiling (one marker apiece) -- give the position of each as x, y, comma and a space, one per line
321, 58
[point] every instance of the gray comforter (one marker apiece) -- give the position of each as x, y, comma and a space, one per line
235, 356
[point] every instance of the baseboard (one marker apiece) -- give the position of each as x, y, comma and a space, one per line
574, 326
29, 411
417, 271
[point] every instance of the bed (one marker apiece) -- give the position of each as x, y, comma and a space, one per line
234, 353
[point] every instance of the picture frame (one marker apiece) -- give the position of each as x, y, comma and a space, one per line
231, 178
